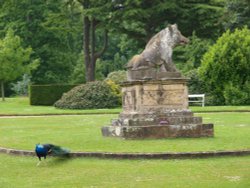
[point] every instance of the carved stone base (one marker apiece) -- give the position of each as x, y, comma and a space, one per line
156, 109
154, 96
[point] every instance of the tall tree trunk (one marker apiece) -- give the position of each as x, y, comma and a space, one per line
89, 44
2, 90
93, 58
86, 41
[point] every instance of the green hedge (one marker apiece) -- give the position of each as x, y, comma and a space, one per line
47, 94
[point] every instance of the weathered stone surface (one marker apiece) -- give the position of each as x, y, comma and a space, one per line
141, 74
155, 96
158, 52
159, 120
159, 131
145, 73
156, 109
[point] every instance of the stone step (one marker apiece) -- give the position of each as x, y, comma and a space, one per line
162, 131
157, 121
155, 115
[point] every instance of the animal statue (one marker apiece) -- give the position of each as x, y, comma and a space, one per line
159, 50
42, 150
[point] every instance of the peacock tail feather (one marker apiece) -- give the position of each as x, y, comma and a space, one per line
59, 151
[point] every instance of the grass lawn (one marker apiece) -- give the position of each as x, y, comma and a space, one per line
226, 172
20, 105
83, 133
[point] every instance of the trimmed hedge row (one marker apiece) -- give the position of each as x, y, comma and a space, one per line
47, 94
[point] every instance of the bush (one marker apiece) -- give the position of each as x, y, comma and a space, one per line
227, 62
91, 95
21, 87
47, 94
236, 96
195, 85
117, 76
116, 90
114, 79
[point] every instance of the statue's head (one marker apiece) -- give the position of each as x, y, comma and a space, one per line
176, 37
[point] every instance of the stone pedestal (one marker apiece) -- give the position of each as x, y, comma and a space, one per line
156, 109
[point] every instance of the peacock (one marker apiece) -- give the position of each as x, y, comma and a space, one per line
42, 150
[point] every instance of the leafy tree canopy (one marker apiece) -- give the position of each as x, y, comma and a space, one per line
14, 59
51, 28
237, 14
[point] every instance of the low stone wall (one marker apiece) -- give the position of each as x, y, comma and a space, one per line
110, 155
17, 152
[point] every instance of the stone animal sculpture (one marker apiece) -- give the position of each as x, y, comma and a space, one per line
158, 51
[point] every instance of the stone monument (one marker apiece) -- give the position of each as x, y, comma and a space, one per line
155, 95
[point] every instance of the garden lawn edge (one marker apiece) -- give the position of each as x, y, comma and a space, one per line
113, 155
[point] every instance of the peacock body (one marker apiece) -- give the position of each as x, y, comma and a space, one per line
42, 150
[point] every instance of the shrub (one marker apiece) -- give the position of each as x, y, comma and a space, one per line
116, 90
21, 87
227, 62
47, 94
195, 85
91, 95
117, 76
236, 96
114, 79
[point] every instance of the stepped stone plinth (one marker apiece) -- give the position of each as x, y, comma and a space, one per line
156, 108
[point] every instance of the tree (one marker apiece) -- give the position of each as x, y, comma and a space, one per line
53, 30
225, 67
137, 19
14, 59
188, 59
120, 50
191, 53
95, 14
236, 14
140, 20
59, 42
135, 22
202, 16
58, 30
